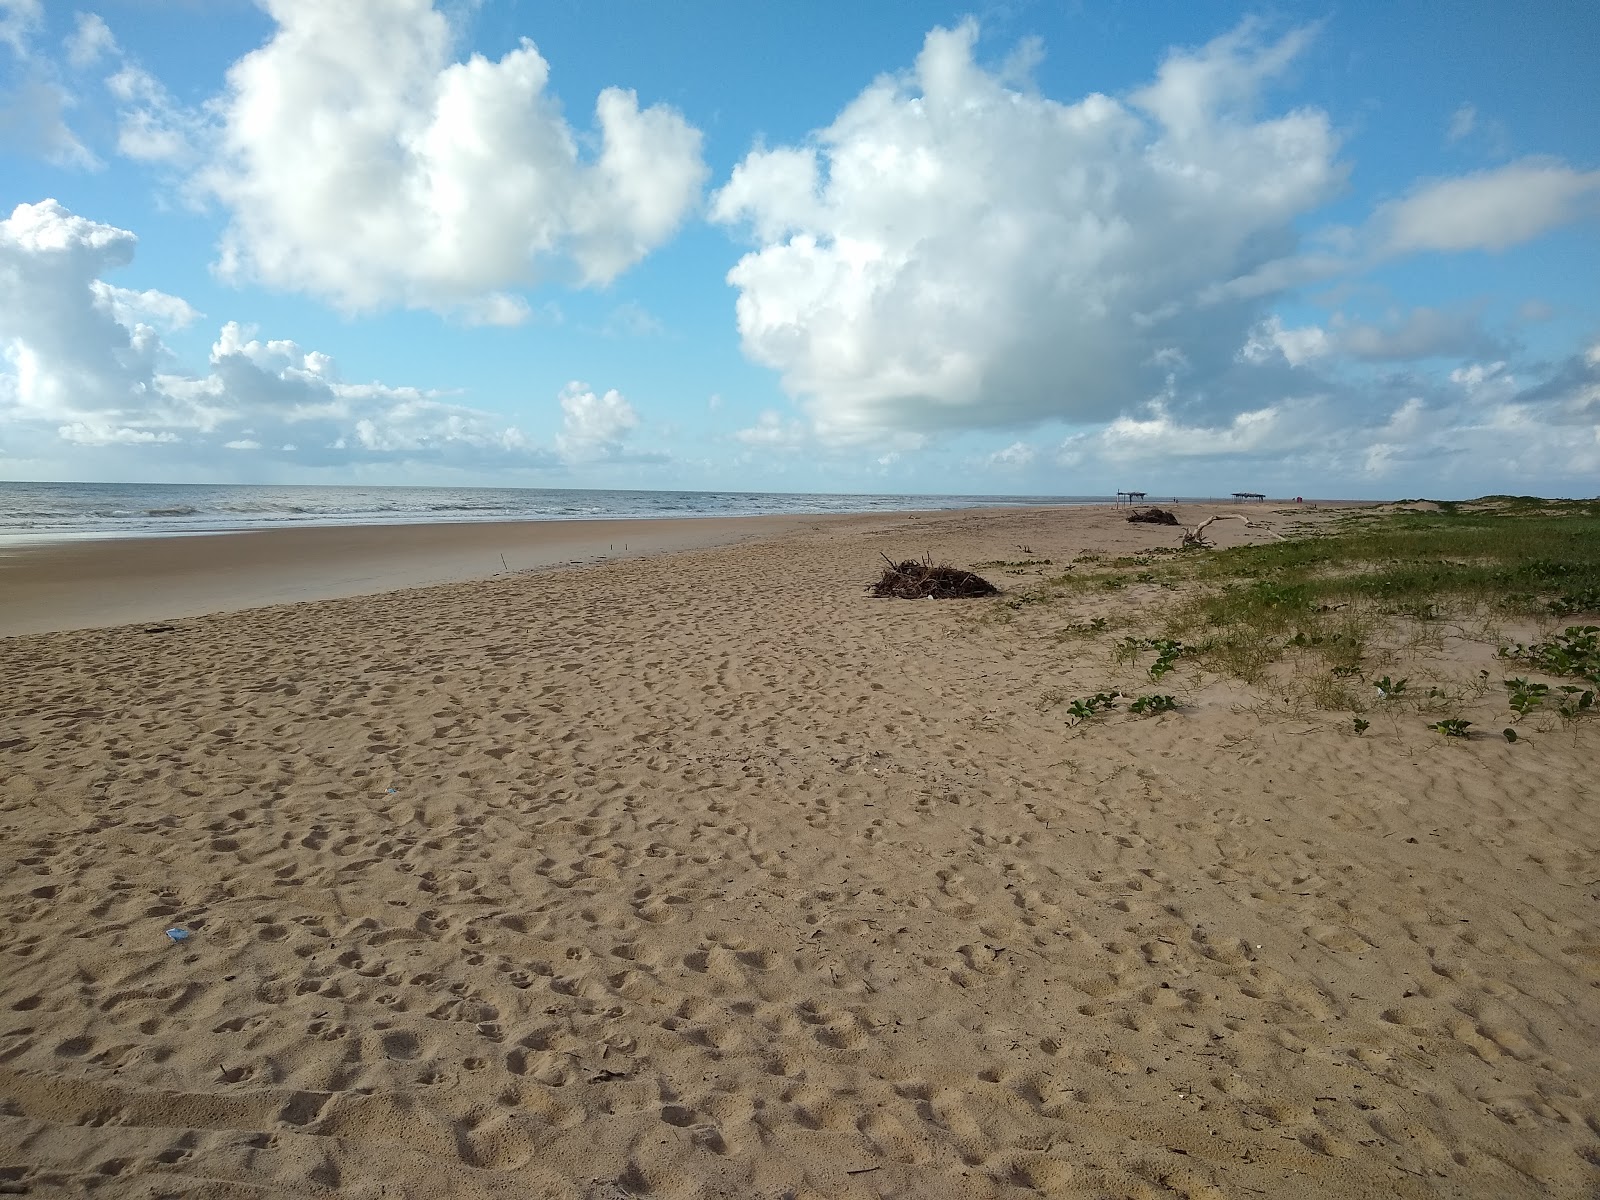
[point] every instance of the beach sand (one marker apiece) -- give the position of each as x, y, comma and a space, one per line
707, 875
92, 583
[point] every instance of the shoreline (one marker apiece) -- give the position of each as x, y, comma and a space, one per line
101, 583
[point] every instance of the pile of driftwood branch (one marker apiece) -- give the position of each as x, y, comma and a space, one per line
1153, 516
913, 580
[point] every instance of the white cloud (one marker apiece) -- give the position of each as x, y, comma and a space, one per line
361, 163
1013, 458
595, 426
1295, 346
1462, 122
774, 432
129, 308
102, 433
89, 41
1421, 333
955, 253
1158, 435
82, 365
1489, 210
19, 20
151, 126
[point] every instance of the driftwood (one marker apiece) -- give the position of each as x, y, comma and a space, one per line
1153, 516
1196, 537
913, 580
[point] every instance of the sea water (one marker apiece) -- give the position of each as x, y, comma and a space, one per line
32, 512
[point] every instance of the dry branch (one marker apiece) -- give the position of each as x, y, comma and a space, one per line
1153, 516
1196, 537
913, 580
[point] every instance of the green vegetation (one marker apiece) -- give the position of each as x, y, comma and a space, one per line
1329, 599
1574, 651
1090, 706
1083, 628
1153, 705
1167, 652
1317, 618
1016, 566
1526, 696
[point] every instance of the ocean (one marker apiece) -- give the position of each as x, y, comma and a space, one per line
38, 512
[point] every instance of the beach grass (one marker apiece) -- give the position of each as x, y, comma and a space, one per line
1364, 592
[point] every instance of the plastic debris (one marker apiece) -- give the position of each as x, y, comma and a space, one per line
178, 935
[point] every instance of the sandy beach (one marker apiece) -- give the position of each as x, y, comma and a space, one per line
701, 873
84, 584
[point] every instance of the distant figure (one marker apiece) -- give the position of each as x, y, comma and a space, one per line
1297, 500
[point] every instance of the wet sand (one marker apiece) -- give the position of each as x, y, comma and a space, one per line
88, 583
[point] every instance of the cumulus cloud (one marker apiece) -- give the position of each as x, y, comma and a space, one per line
955, 252
361, 162
595, 426
84, 366
1489, 210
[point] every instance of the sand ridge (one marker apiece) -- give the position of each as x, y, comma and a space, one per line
707, 875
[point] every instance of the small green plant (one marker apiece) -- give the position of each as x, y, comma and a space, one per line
1360, 725
1391, 689
1152, 705
1090, 706
1453, 727
1586, 600
1577, 702
1574, 651
1167, 652
1345, 672
1526, 697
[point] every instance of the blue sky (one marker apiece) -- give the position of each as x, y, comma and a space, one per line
1017, 248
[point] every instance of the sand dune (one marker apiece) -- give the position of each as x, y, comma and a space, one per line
708, 876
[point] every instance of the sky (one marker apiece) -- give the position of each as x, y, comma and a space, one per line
1338, 250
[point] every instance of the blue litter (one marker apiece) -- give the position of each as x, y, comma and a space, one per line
178, 935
